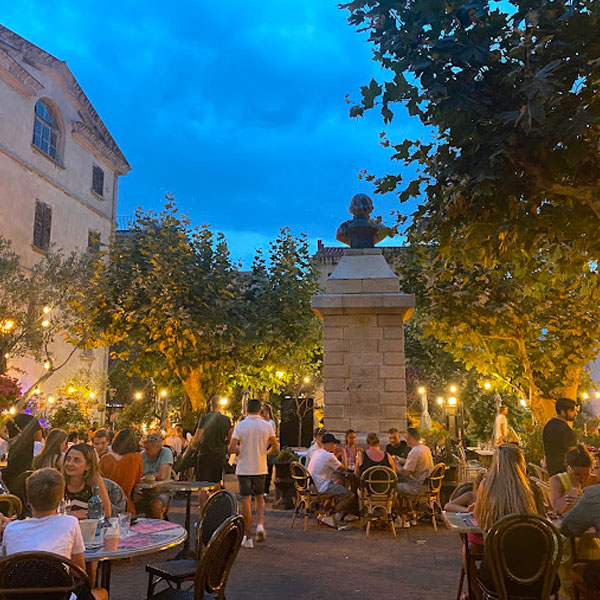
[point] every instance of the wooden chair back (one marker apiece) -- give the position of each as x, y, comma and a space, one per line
378, 483
44, 575
539, 472
525, 550
434, 481
219, 507
218, 558
544, 489
11, 506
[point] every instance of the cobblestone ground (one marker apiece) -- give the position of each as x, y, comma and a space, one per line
323, 563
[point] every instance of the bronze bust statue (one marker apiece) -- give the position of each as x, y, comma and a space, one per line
361, 231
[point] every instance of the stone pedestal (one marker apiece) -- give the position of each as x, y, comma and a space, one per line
363, 314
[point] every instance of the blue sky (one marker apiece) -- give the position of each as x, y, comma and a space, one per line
236, 108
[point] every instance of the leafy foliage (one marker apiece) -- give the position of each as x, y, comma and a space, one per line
68, 416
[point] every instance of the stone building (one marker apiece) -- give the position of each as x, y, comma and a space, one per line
59, 172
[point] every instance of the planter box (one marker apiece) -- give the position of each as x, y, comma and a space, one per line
284, 486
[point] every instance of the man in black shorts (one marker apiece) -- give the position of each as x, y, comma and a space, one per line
211, 438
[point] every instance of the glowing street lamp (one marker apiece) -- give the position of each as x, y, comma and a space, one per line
421, 390
452, 401
453, 389
163, 393
138, 395
440, 400
223, 401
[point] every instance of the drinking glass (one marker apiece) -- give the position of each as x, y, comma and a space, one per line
124, 524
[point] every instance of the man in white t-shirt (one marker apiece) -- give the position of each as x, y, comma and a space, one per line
323, 464
500, 435
252, 439
47, 531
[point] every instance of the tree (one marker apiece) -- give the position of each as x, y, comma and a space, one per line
507, 184
36, 307
509, 96
172, 303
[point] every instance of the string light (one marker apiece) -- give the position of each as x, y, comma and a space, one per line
92, 395
421, 390
224, 401
45, 323
36, 391
280, 374
523, 402
163, 393
306, 379
7, 324
453, 389
440, 400
138, 395
47, 365
487, 385
585, 395
12, 410
47, 309
71, 390
50, 399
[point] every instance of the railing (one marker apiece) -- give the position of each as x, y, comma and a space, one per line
124, 223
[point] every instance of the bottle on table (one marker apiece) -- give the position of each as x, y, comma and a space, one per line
95, 508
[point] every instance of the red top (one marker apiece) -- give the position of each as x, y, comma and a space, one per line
126, 471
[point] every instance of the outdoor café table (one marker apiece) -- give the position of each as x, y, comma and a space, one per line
485, 455
463, 524
146, 537
188, 488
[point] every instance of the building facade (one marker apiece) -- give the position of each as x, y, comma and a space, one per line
59, 172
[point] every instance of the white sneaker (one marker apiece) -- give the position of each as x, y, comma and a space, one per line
261, 535
344, 527
350, 518
247, 542
406, 524
414, 522
327, 520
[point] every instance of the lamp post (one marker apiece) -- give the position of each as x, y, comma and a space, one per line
425, 422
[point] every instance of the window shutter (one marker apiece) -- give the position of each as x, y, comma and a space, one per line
98, 180
38, 224
46, 227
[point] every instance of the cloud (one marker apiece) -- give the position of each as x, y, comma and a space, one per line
236, 108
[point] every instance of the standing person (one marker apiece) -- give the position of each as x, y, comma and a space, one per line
22, 429
266, 412
53, 452
252, 439
211, 438
559, 436
500, 434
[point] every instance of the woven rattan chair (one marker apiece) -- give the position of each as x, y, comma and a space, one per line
29, 575
10, 506
219, 507
522, 555
214, 565
377, 494
429, 494
469, 469
308, 498
544, 488
539, 472
586, 579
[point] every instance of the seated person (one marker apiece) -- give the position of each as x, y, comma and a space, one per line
397, 448
316, 444
101, 442
373, 456
323, 465
566, 488
351, 450
585, 514
418, 465
505, 490
46, 530
157, 461
81, 473
466, 502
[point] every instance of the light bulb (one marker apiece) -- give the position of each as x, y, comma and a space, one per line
50, 399
92, 395
47, 310
163, 393
306, 379
224, 401
138, 395
71, 390
523, 402
453, 389
440, 400
487, 385
280, 374
421, 390
12, 410
45, 323
452, 401
47, 365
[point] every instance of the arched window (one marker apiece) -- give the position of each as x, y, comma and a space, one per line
45, 130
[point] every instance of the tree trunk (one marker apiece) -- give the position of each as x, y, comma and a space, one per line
543, 410
192, 381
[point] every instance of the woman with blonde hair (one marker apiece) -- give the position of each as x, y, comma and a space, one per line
53, 452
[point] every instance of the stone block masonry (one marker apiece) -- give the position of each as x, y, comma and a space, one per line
363, 314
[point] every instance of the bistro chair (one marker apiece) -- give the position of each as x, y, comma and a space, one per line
522, 555
469, 469
544, 488
539, 472
219, 507
214, 565
429, 494
377, 494
586, 579
11, 506
308, 498
44, 575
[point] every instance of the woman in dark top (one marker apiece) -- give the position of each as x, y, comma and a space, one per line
81, 472
373, 456
21, 429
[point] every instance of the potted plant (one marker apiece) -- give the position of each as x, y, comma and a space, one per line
284, 485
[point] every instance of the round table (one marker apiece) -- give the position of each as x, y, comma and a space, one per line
146, 537
188, 488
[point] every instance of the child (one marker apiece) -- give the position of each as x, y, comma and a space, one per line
48, 531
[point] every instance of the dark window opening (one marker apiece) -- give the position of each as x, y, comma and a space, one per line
42, 225
98, 180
